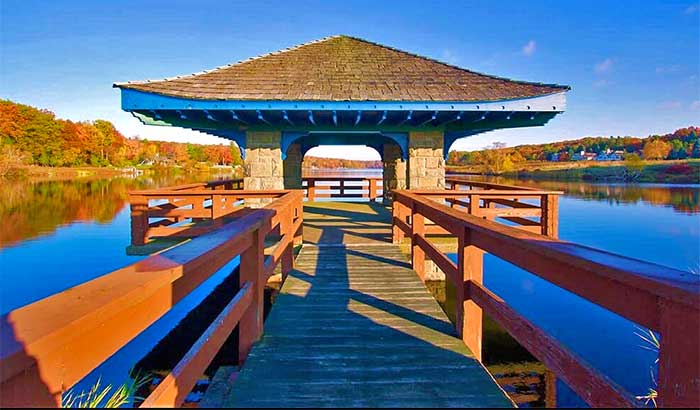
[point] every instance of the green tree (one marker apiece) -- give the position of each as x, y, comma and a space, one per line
695, 153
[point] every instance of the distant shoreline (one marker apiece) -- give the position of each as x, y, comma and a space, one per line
673, 172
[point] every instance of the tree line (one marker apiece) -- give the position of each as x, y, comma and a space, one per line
681, 144
31, 136
335, 163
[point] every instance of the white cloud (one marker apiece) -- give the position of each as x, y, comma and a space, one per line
601, 83
668, 69
449, 56
603, 66
670, 105
695, 105
692, 9
529, 48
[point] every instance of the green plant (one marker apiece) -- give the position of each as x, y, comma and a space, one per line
99, 396
652, 343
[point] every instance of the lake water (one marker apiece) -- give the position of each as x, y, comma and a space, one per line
58, 234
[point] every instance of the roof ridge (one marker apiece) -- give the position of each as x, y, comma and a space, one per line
452, 65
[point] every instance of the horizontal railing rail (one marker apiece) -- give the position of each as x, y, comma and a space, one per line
49, 345
662, 299
342, 187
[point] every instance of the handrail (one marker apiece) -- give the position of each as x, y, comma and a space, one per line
44, 347
663, 299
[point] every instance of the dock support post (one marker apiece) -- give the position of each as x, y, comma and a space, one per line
251, 270
139, 220
469, 315
679, 358
417, 253
550, 217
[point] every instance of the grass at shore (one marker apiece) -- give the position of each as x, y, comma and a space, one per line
680, 172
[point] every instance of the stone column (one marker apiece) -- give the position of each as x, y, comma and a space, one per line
426, 170
292, 167
426, 165
394, 170
263, 163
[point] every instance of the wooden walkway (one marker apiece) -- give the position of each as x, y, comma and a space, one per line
353, 326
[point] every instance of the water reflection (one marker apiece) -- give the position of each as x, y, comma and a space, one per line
33, 208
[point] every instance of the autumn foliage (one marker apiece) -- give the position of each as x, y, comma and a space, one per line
680, 144
36, 137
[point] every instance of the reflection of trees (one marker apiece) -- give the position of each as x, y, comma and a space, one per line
29, 209
681, 198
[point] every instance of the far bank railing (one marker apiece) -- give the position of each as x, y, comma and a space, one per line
662, 299
342, 187
49, 345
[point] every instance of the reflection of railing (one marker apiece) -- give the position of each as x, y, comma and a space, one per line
663, 299
342, 187
49, 345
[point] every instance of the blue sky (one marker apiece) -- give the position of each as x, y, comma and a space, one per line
633, 65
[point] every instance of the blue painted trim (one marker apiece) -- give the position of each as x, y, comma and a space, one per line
238, 137
312, 139
139, 100
450, 137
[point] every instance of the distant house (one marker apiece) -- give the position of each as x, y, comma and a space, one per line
610, 155
584, 156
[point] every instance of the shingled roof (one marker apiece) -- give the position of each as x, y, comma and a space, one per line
343, 68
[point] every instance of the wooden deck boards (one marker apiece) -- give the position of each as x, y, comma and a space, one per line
353, 326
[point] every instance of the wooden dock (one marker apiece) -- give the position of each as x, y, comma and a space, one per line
354, 326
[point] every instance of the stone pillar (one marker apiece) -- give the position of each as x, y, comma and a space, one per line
263, 163
426, 165
394, 170
292, 167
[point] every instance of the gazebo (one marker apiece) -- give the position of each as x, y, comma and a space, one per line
345, 91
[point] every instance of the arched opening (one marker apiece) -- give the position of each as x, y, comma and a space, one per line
342, 173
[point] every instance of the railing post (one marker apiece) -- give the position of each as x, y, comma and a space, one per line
372, 190
397, 211
311, 189
469, 316
216, 207
550, 215
286, 230
251, 270
342, 187
679, 357
139, 219
474, 205
299, 214
417, 253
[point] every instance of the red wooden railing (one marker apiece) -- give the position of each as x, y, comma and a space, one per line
49, 345
195, 209
359, 187
515, 204
662, 299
